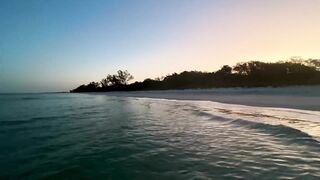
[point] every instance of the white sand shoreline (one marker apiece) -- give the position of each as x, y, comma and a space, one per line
304, 100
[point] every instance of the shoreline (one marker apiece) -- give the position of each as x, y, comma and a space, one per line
304, 100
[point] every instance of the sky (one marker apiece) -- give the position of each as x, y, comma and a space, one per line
48, 46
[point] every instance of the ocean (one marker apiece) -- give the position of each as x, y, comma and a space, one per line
99, 136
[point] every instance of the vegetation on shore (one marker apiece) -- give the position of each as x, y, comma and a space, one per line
295, 71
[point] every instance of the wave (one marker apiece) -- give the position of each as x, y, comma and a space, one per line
304, 124
29, 121
277, 130
307, 122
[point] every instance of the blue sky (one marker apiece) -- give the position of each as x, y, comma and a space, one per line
57, 45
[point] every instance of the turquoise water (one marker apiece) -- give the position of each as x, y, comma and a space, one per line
83, 136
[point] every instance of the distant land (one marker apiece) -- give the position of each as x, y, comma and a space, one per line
295, 71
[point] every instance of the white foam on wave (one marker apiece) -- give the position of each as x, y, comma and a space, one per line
303, 120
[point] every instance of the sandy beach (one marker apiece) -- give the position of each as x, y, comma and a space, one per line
296, 97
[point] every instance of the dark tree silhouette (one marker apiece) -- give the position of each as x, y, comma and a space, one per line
124, 77
314, 62
241, 68
104, 83
295, 71
224, 70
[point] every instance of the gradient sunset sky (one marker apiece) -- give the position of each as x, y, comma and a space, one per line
57, 45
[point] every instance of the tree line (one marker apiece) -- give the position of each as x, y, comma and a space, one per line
295, 71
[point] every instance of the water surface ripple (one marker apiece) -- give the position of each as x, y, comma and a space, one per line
63, 136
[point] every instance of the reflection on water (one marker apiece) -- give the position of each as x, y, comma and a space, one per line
81, 136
